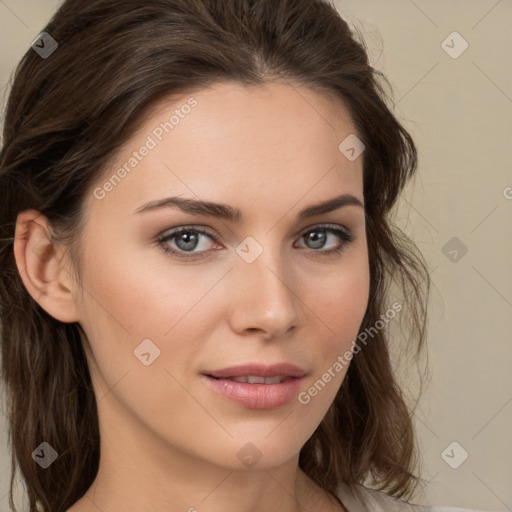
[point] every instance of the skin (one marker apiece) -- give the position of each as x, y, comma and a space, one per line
168, 442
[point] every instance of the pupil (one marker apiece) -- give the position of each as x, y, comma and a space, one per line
189, 239
318, 238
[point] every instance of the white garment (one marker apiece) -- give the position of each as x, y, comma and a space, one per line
376, 501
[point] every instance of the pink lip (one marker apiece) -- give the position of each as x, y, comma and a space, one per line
257, 396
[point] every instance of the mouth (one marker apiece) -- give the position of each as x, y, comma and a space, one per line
256, 379
257, 386
255, 372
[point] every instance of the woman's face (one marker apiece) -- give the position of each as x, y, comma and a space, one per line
253, 282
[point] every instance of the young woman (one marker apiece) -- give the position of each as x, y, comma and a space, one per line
198, 270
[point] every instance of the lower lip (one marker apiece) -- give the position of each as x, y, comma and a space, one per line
256, 396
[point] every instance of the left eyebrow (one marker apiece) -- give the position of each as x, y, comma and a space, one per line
232, 214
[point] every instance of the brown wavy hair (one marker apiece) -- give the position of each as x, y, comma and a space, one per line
66, 117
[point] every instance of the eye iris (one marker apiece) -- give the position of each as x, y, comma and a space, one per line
189, 237
318, 238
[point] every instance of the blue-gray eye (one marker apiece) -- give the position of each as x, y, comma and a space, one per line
187, 239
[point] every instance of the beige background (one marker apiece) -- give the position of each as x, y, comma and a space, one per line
460, 112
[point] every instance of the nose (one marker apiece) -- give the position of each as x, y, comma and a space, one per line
264, 299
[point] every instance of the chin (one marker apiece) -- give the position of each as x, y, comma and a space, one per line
259, 451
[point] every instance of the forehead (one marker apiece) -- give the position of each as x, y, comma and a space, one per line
230, 142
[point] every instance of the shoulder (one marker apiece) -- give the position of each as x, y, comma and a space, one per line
363, 499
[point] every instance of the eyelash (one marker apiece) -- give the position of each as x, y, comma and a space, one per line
344, 234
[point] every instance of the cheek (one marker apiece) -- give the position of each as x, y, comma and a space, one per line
340, 305
139, 297
339, 310
340, 299
130, 299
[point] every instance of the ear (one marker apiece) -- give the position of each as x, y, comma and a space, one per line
41, 265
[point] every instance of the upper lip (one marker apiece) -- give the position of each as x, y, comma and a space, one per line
258, 370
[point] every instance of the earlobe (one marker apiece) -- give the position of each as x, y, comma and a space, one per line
41, 267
